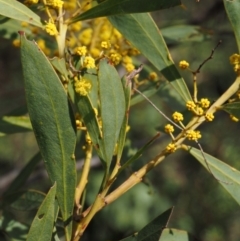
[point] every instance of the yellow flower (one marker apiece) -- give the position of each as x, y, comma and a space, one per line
169, 128
75, 27
127, 60
190, 105
16, 43
204, 103
24, 24
171, 147
82, 86
51, 29
177, 116
95, 52
115, 58
183, 64
199, 111
234, 59
89, 62
82, 51
105, 44
85, 36
153, 76
193, 135
209, 116
55, 3
129, 67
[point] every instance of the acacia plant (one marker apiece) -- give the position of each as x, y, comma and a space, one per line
71, 55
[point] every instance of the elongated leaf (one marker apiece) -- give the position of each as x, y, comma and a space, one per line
86, 111
113, 7
228, 176
171, 234
127, 88
52, 122
153, 230
60, 66
24, 174
23, 200
14, 124
149, 41
232, 109
112, 107
42, 225
233, 8
16, 10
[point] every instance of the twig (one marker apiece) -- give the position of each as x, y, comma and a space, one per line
207, 59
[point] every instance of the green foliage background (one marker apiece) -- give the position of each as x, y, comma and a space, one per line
202, 206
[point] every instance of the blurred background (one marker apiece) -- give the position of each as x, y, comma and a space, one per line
202, 206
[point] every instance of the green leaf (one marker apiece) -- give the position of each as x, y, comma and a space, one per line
60, 66
9, 28
12, 229
53, 124
112, 107
23, 200
14, 124
42, 225
152, 45
89, 117
232, 109
153, 230
233, 8
16, 10
183, 33
127, 88
24, 174
228, 176
113, 7
171, 234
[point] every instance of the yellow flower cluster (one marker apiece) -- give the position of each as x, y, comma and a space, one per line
190, 105
183, 64
105, 44
89, 62
82, 86
82, 51
209, 116
197, 108
205, 103
171, 147
51, 29
169, 128
193, 135
115, 58
55, 3
235, 61
177, 117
